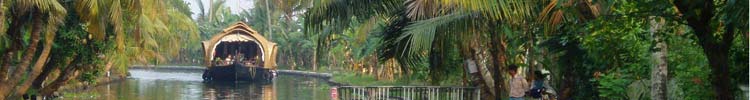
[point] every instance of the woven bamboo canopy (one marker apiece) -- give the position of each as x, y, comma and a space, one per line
241, 32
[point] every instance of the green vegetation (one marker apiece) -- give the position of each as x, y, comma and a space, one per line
356, 79
46, 42
81, 95
594, 49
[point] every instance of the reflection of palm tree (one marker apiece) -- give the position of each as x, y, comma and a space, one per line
269, 92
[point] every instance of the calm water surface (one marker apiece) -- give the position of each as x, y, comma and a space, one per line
185, 85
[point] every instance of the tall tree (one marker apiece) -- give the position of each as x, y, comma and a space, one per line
716, 23
415, 24
659, 72
102, 18
41, 10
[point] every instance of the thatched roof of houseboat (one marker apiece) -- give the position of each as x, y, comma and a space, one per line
241, 32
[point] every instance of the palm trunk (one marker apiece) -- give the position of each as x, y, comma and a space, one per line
46, 72
39, 83
659, 74
486, 77
29, 53
210, 11
14, 31
40, 63
334, 62
20, 70
497, 49
315, 59
64, 77
529, 57
2, 13
268, 20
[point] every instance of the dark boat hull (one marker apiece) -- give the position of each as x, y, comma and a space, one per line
237, 72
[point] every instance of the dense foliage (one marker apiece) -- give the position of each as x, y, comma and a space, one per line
593, 49
603, 49
47, 44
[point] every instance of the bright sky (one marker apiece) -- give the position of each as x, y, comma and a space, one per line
235, 5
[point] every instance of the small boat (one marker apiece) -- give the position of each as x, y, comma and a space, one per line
239, 53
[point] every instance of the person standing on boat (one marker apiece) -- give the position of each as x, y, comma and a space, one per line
518, 84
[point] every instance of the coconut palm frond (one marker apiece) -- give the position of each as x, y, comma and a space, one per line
87, 9
184, 27
217, 7
421, 34
44, 6
557, 12
115, 13
362, 32
338, 13
424, 9
512, 11
329, 17
201, 8
393, 47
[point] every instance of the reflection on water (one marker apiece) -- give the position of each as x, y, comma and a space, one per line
181, 85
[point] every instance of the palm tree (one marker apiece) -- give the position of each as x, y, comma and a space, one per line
149, 25
716, 41
414, 26
49, 10
149, 28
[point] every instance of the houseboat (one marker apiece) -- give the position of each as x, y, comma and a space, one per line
239, 53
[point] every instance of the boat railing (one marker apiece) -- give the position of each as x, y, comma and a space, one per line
245, 63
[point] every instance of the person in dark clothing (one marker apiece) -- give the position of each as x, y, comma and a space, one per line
537, 87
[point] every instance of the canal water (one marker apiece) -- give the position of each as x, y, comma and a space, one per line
144, 84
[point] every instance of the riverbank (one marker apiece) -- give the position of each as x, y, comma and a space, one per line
349, 78
358, 79
169, 67
74, 88
84, 85
334, 78
320, 75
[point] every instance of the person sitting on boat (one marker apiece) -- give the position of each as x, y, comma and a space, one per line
240, 57
252, 61
249, 62
218, 61
228, 60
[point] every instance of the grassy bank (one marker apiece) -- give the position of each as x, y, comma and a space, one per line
353, 78
359, 79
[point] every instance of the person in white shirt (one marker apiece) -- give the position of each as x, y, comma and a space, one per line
518, 84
